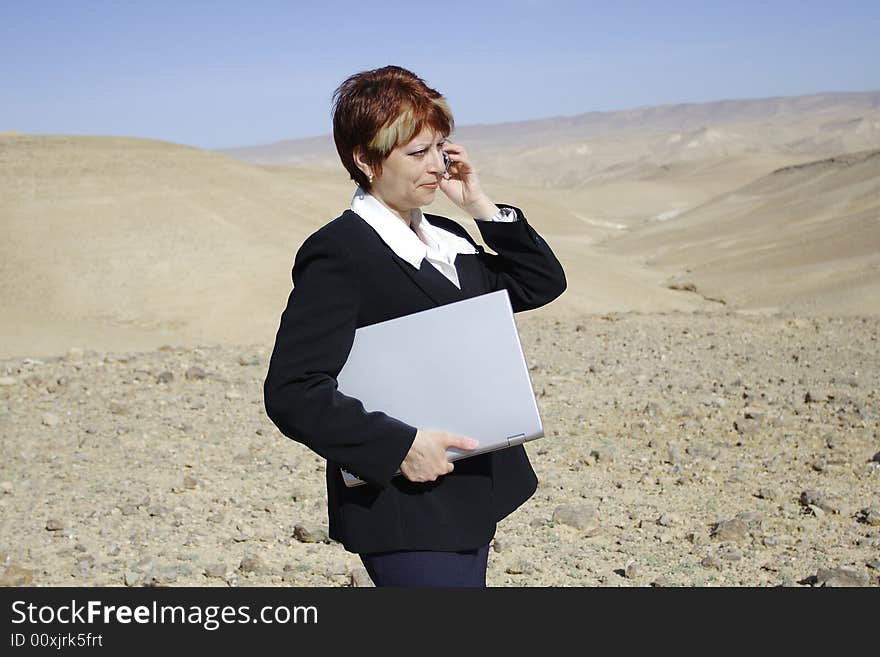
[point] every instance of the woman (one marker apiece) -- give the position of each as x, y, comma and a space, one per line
383, 259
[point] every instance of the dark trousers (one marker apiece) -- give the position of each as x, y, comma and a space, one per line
427, 568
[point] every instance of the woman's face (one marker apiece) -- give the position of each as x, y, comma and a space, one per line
410, 173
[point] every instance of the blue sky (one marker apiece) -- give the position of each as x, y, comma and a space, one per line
215, 74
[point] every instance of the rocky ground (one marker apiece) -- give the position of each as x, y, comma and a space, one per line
697, 450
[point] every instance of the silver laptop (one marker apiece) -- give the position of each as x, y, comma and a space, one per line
457, 368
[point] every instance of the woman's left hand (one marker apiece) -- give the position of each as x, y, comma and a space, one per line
463, 186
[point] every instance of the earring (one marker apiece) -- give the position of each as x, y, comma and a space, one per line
370, 178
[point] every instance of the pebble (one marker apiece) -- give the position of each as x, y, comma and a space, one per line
581, 516
7, 381
15, 575
840, 577
51, 420
6, 487
117, 408
252, 564
768, 493
632, 570
734, 530
521, 567
711, 561
165, 377
746, 427
730, 553
215, 570
245, 361
233, 394
819, 499
310, 534
195, 373
602, 455
190, 482
871, 516
54, 525
702, 451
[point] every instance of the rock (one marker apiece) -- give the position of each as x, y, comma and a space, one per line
7, 381
730, 553
51, 420
675, 456
669, 520
746, 427
252, 564
233, 394
54, 525
876, 458
6, 488
133, 578
711, 561
117, 409
752, 518
195, 373
84, 565
840, 577
819, 499
15, 575
245, 361
602, 455
871, 516
165, 377
310, 534
521, 567
190, 482
661, 581
215, 570
734, 530
632, 570
702, 451
768, 493
497, 546
360, 578
581, 516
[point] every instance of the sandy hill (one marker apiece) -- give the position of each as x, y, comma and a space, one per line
804, 238
614, 170
117, 243
644, 121
121, 241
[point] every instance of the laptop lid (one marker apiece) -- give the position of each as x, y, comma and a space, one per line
457, 368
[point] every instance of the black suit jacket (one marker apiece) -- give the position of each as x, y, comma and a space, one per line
346, 277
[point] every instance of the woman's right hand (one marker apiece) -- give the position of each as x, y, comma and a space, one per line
426, 459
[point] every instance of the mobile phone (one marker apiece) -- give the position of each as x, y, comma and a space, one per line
446, 163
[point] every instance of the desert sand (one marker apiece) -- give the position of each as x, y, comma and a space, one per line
708, 382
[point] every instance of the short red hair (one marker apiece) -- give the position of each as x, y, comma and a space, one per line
375, 111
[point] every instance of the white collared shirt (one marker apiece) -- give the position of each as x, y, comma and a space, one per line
440, 247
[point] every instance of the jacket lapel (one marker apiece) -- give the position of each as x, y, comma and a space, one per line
439, 288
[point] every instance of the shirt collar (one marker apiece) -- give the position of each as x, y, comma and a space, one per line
441, 244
